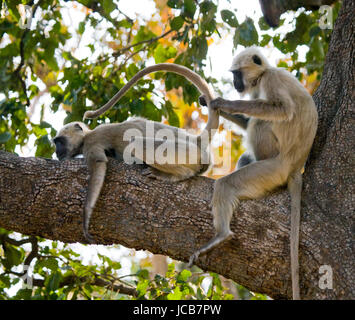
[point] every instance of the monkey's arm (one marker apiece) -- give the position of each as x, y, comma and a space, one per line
97, 169
238, 119
257, 108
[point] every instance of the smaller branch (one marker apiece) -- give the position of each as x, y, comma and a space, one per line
71, 280
148, 42
34, 252
127, 17
17, 243
116, 287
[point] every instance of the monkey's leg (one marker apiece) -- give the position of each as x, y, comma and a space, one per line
172, 174
97, 168
246, 158
250, 182
171, 160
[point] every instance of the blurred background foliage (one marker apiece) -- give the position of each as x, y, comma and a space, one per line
43, 67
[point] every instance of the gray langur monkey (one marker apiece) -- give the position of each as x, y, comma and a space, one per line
281, 122
109, 140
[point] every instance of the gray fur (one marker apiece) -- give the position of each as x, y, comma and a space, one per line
282, 126
107, 139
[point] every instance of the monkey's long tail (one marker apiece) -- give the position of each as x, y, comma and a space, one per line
201, 84
295, 188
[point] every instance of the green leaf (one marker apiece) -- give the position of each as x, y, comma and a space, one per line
184, 275
263, 25
199, 48
162, 54
265, 40
142, 287
177, 23
189, 8
137, 107
230, 18
143, 273
23, 294
151, 111
44, 147
175, 295
13, 257
175, 4
208, 22
4, 137
108, 6
50, 263
81, 28
172, 116
52, 282
314, 31
246, 34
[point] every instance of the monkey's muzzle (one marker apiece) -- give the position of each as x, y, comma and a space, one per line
60, 147
238, 81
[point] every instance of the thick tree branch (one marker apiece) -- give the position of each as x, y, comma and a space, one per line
45, 197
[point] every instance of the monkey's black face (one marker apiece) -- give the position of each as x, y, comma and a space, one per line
238, 80
61, 147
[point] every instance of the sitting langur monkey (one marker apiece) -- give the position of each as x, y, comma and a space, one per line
109, 140
281, 123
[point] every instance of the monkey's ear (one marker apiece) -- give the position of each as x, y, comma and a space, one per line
256, 60
78, 127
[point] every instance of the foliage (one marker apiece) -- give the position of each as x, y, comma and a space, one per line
41, 69
56, 272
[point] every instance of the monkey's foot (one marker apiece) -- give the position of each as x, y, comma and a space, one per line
153, 173
89, 238
214, 242
193, 258
149, 172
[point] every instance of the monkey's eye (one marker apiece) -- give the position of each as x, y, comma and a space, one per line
256, 60
78, 127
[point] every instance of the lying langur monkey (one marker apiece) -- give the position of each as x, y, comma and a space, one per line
281, 123
109, 140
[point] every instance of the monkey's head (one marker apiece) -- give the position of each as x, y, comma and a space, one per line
247, 68
70, 139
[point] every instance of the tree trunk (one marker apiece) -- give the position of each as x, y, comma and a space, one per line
45, 198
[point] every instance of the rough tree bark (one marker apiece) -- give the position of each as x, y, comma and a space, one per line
45, 198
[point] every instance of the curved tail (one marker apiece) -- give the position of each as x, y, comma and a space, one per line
201, 84
294, 186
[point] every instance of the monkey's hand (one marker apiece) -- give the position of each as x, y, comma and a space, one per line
202, 100
89, 238
219, 104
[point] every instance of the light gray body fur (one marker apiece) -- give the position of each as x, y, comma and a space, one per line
108, 139
281, 129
